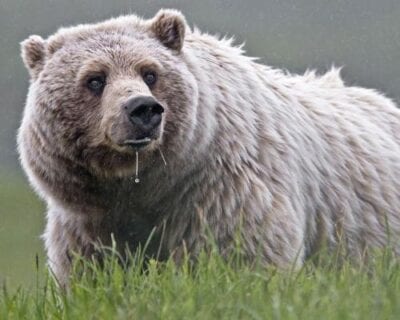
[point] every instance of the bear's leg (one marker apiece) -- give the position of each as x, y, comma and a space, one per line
64, 236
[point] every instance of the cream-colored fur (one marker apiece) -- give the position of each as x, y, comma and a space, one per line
293, 162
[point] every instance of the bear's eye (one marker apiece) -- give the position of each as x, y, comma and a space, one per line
96, 84
150, 78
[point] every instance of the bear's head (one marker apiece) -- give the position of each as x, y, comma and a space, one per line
102, 92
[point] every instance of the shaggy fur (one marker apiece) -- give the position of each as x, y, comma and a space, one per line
292, 162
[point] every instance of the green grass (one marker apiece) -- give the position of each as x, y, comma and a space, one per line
213, 289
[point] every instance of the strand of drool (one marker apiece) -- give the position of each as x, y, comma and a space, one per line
137, 180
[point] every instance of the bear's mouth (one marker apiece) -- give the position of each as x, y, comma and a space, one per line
137, 143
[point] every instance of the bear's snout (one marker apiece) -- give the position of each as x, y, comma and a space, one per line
143, 116
144, 112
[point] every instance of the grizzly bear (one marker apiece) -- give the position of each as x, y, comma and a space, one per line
139, 127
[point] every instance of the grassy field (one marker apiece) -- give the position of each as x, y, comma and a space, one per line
213, 289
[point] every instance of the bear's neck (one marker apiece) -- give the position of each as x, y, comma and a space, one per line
234, 105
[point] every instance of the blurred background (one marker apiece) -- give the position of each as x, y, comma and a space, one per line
361, 35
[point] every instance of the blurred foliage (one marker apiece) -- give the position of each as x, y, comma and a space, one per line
21, 223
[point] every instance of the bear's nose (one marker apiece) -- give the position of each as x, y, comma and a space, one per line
145, 112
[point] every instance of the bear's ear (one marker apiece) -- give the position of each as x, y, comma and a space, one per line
169, 27
33, 54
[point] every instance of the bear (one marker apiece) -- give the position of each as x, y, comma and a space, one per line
146, 128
